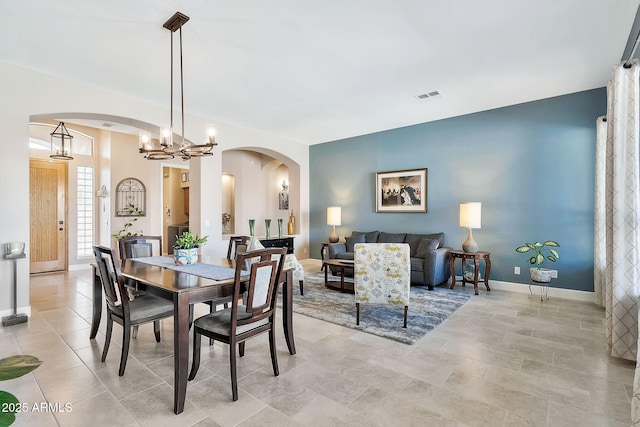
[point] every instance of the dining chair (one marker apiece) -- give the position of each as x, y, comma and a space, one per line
120, 309
237, 244
382, 275
139, 246
256, 316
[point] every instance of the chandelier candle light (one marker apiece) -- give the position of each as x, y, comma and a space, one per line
470, 217
334, 217
167, 149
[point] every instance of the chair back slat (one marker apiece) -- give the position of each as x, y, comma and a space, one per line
141, 250
126, 246
111, 278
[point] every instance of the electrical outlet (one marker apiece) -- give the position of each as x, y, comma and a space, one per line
516, 270
554, 274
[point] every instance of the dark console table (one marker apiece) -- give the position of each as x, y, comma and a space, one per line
281, 242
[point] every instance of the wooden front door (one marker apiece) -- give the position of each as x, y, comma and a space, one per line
48, 202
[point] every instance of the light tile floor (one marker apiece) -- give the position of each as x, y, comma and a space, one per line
501, 360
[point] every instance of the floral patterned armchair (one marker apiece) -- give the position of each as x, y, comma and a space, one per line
382, 274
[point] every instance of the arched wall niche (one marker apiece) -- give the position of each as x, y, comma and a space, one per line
258, 181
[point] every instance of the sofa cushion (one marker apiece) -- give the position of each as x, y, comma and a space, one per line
391, 238
369, 236
426, 246
352, 240
414, 240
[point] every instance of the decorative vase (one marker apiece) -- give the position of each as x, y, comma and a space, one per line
252, 223
185, 256
291, 226
279, 228
267, 227
540, 274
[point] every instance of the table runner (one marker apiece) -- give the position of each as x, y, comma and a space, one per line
209, 271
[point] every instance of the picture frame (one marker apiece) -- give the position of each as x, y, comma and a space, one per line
283, 201
401, 191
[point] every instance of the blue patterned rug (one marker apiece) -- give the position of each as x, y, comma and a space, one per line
427, 309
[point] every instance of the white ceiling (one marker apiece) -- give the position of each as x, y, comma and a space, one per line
324, 70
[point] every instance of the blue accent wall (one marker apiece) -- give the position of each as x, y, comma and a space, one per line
531, 165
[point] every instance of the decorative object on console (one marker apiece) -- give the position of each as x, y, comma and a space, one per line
167, 149
267, 227
185, 249
252, 224
291, 226
470, 217
334, 217
59, 148
539, 274
401, 191
279, 228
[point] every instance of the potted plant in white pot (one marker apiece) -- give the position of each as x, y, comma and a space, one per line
541, 251
185, 250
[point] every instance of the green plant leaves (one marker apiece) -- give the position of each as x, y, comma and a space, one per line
538, 247
7, 400
17, 366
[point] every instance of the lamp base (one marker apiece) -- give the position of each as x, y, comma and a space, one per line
470, 245
333, 237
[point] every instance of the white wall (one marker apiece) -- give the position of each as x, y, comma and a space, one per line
26, 93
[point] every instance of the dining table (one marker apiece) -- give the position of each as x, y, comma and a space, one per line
185, 287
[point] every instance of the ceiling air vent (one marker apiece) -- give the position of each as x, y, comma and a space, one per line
107, 125
423, 97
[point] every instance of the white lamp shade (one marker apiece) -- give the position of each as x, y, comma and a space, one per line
334, 215
471, 214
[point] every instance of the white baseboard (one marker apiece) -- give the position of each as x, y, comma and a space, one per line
24, 310
523, 288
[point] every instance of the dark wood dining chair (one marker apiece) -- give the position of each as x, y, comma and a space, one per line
237, 324
139, 246
237, 244
120, 309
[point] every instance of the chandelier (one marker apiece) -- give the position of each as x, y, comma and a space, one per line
61, 143
167, 147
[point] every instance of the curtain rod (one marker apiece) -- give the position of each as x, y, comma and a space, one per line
627, 63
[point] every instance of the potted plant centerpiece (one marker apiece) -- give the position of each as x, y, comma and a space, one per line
541, 251
185, 250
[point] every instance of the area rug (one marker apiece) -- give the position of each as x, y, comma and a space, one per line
427, 309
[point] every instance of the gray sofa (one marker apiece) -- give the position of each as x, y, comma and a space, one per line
429, 255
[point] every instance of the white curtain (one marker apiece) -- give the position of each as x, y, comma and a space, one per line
617, 207
621, 192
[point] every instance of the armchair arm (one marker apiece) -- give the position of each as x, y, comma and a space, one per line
336, 248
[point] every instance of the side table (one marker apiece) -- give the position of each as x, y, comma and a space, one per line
476, 257
325, 248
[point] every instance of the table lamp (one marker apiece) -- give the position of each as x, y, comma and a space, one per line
334, 215
470, 217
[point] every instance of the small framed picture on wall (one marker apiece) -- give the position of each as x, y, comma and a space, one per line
283, 201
